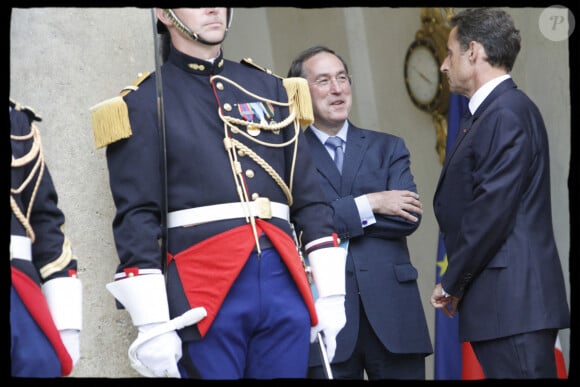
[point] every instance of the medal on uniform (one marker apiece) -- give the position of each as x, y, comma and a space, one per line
269, 111
258, 109
246, 112
253, 130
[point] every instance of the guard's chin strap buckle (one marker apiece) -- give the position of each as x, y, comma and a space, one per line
263, 208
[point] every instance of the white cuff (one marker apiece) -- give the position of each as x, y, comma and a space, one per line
328, 270
444, 293
365, 211
144, 297
64, 296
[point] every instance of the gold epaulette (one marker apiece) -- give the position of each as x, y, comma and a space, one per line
298, 94
32, 116
110, 118
300, 100
250, 62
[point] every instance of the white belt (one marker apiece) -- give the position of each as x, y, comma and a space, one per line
20, 247
262, 208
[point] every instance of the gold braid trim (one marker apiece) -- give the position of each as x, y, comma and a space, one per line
177, 23
240, 184
232, 145
261, 162
61, 262
20, 216
269, 127
34, 150
34, 153
229, 120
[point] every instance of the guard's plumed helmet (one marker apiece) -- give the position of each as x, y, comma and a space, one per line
185, 30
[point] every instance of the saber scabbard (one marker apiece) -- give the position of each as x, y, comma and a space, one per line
324, 357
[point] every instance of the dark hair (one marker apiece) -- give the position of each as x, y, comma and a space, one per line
494, 29
296, 69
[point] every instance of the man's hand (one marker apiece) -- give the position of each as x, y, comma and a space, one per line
396, 203
446, 302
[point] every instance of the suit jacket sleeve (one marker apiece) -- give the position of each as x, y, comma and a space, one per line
499, 156
390, 170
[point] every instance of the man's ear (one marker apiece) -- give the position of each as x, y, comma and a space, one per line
476, 50
161, 16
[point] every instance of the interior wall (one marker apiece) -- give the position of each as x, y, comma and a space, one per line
65, 60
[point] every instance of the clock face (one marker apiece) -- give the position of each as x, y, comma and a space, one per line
422, 75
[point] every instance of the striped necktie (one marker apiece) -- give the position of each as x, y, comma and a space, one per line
335, 143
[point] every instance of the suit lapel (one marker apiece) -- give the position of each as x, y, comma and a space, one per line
324, 163
356, 147
464, 127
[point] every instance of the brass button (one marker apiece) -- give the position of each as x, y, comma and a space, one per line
255, 195
249, 173
227, 107
196, 66
219, 86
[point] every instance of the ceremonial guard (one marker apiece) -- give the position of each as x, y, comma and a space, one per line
45, 292
227, 172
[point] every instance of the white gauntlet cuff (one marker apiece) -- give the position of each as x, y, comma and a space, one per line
328, 270
144, 297
64, 296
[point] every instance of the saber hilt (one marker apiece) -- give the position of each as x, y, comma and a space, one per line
188, 318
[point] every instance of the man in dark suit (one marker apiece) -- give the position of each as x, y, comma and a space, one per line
376, 207
493, 206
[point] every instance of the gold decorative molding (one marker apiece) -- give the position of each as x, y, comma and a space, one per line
435, 28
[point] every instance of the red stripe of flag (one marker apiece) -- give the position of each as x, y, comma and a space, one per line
560, 363
471, 368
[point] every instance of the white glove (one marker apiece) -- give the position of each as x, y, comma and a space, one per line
331, 319
157, 348
71, 340
158, 356
139, 353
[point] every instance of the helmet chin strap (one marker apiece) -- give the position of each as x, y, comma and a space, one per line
188, 32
